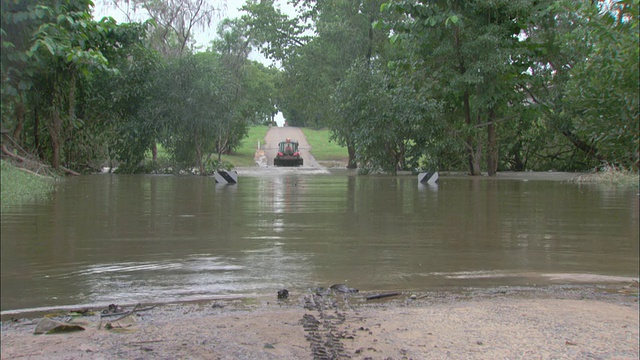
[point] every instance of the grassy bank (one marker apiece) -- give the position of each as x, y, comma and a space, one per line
611, 176
19, 186
243, 156
322, 148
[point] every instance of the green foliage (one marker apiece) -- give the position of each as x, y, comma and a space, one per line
276, 34
57, 52
313, 64
467, 55
194, 102
387, 122
199, 105
602, 94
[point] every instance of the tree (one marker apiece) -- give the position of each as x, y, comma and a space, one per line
470, 51
56, 55
174, 21
19, 21
277, 35
602, 93
385, 117
65, 47
315, 56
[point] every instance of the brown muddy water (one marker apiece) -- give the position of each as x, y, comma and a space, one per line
125, 239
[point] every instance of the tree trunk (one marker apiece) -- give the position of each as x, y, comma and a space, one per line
400, 156
198, 149
472, 154
54, 132
72, 97
370, 45
352, 157
36, 133
590, 150
72, 115
516, 161
492, 146
19, 118
154, 152
477, 158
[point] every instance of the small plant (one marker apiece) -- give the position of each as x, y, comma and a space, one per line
213, 165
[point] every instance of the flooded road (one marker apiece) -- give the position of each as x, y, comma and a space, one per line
126, 239
277, 134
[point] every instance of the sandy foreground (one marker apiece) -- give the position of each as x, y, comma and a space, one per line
556, 322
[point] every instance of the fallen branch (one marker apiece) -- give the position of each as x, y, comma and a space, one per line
381, 296
31, 172
10, 154
69, 171
25, 160
127, 313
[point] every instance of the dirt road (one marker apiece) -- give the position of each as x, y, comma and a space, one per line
277, 134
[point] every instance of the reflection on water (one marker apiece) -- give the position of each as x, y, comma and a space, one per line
109, 239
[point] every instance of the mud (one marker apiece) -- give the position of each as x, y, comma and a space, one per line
561, 322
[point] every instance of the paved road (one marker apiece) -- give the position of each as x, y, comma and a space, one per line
277, 134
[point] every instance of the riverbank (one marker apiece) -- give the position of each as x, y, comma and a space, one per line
21, 185
578, 321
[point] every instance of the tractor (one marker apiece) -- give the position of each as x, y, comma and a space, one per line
288, 154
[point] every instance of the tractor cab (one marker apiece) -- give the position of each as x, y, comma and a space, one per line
288, 147
288, 154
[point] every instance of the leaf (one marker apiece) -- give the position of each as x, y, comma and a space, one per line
39, 13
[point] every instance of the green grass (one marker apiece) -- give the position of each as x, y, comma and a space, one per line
243, 156
20, 187
322, 148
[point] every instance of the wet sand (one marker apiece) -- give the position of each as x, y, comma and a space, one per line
559, 322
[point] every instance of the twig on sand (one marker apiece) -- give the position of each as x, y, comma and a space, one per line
108, 325
145, 342
380, 296
127, 313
